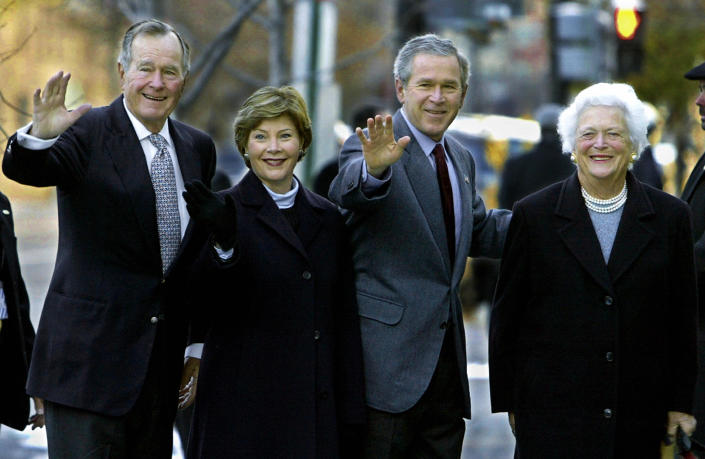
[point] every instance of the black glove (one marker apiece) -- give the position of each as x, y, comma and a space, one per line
214, 211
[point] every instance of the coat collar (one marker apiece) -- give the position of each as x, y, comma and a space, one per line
252, 193
694, 179
577, 232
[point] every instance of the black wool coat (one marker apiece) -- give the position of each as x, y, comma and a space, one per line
282, 362
17, 334
693, 195
590, 356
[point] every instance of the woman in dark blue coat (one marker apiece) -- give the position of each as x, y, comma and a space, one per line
593, 326
281, 371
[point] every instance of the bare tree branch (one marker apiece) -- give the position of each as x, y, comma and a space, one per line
227, 34
135, 10
4, 8
244, 77
276, 42
261, 21
5, 55
4, 133
386, 41
214, 53
14, 107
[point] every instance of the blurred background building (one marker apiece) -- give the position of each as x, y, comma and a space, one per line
523, 54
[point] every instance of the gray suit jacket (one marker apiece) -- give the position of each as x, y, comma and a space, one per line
406, 288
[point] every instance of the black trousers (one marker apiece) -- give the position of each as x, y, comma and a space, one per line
433, 428
146, 431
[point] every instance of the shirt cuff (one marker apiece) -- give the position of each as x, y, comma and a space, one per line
370, 183
3, 304
33, 143
224, 254
194, 350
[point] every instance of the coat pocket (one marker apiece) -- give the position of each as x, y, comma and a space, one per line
379, 309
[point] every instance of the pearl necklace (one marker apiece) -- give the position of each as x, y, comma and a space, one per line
605, 206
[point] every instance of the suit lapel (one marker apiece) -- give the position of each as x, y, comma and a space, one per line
424, 183
253, 194
124, 148
694, 179
188, 160
633, 234
578, 234
464, 179
188, 164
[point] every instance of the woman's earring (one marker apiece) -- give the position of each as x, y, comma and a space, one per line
633, 157
572, 157
246, 155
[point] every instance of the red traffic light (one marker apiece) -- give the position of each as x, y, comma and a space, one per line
626, 22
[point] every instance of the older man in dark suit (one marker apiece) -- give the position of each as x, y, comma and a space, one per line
694, 195
16, 331
408, 192
110, 344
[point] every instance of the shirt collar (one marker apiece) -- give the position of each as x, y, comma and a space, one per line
425, 142
141, 131
286, 200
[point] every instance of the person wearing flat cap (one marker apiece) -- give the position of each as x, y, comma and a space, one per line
694, 195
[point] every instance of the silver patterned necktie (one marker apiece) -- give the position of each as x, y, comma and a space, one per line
167, 200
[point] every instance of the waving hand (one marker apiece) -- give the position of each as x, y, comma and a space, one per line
50, 117
380, 149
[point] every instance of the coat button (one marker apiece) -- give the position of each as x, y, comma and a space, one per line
607, 413
306, 275
316, 335
154, 319
609, 356
609, 300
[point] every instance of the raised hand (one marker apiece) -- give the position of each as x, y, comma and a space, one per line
50, 117
214, 211
380, 150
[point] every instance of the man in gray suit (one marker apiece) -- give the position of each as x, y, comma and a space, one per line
415, 216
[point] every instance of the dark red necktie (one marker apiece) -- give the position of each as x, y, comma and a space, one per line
446, 197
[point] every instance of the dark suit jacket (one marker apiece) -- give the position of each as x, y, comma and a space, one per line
407, 287
17, 334
96, 333
691, 191
282, 364
589, 355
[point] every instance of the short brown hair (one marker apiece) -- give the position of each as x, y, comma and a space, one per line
270, 102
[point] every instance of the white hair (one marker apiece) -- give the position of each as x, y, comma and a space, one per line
618, 95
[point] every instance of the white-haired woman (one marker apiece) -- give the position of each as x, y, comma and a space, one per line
593, 326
